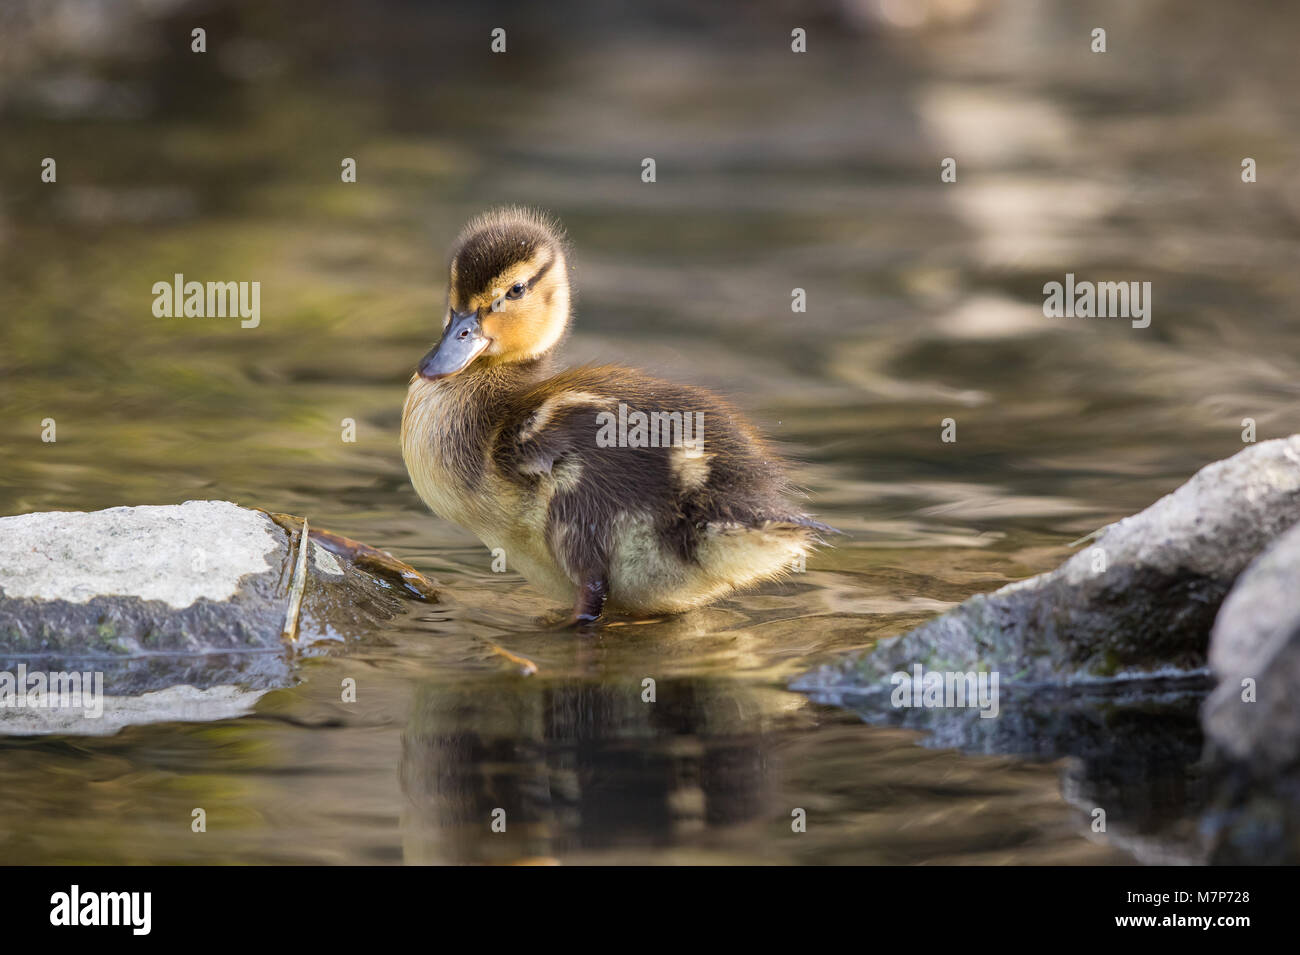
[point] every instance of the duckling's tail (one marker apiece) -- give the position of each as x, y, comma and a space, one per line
803, 520
800, 524
738, 553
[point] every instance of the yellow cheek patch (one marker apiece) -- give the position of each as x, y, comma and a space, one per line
517, 326
525, 327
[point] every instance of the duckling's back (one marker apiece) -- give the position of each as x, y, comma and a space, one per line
661, 489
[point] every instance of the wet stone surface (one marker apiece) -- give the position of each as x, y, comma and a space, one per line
154, 597
1136, 602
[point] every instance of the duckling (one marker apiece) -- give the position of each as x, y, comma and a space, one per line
606, 488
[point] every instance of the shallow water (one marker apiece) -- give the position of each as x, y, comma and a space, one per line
774, 172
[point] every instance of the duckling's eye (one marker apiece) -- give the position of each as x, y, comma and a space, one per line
517, 290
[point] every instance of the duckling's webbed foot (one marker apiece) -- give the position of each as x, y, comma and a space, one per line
589, 606
591, 600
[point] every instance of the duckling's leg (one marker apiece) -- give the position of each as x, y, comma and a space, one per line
591, 599
590, 604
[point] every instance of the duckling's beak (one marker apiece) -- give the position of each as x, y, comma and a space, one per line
461, 344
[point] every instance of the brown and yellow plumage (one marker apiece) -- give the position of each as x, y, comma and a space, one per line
604, 486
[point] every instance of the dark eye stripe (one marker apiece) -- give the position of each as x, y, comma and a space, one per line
526, 286
540, 272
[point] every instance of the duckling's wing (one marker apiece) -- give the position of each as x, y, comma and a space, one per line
541, 433
718, 511
548, 449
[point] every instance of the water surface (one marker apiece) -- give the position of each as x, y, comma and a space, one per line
775, 171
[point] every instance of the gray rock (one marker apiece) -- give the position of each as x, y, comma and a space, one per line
1257, 637
1108, 667
192, 595
1137, 603
176, 555
109, 714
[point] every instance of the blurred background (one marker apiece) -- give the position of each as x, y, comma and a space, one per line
775, 170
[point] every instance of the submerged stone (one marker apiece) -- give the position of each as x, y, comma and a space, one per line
1253, 716
1104, 660
197, 594
1137, 603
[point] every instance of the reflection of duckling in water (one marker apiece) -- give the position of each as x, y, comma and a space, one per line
600, 483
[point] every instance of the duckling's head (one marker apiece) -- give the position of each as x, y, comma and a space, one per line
507, 293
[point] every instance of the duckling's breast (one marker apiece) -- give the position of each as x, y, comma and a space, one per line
445, 450
446, 444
